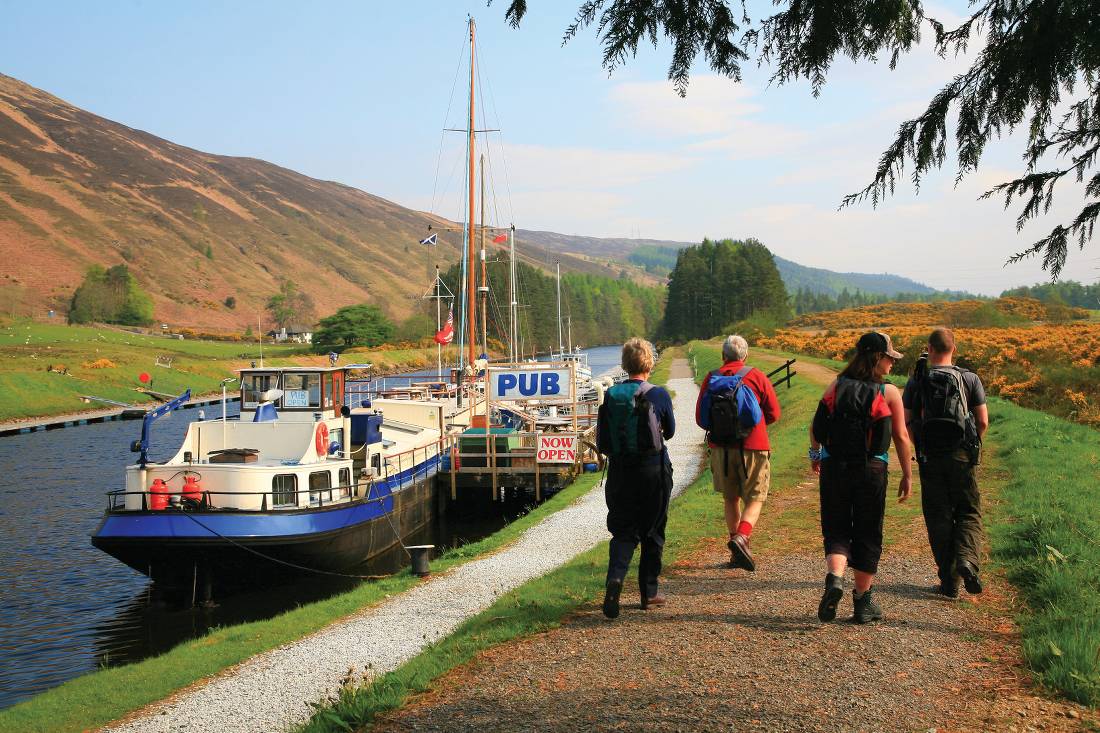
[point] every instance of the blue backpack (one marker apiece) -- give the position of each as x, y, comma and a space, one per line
730, 409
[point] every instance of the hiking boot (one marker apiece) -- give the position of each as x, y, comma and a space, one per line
834, 591
611, 598
740, 554
657, 600
969, 574
947, 588
866, 609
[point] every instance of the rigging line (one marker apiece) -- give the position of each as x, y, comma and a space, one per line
443, 133
503, 159
284, 562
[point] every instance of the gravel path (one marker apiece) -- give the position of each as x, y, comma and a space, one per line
273, 691
737, 651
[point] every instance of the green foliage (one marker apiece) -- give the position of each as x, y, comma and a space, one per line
353, 325
600, 309
806, 300
1038, 68
718, 283
209, 252
230, 302
290, 306
655, 259
1066, 292
111, 296
416, 327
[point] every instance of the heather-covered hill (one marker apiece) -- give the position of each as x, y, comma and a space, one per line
195, 228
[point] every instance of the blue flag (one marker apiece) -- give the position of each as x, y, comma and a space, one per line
430, 239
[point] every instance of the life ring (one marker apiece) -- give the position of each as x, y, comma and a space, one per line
320, 439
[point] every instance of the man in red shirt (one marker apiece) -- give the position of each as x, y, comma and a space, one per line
742, 473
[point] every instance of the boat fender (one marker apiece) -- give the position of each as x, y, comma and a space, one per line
158, 495
320, 438
192, 489
456, 460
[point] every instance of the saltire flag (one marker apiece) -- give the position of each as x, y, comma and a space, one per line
430, 239
500, 238
446, 334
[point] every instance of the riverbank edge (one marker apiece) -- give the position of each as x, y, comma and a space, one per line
98, 698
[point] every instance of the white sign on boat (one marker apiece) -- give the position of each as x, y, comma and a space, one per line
530, 384
557, 448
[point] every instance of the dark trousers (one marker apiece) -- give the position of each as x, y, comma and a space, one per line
853, 504
637, 497
952, 511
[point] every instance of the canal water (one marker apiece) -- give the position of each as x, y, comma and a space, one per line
69, 609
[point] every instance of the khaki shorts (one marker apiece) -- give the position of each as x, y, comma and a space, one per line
733, 481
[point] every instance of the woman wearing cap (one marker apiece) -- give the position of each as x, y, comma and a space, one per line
849, 448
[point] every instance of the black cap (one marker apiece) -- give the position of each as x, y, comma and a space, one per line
877, 342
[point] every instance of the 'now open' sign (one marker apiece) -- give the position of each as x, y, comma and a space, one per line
557, 448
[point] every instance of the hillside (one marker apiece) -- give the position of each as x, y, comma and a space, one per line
659, 257
195, 228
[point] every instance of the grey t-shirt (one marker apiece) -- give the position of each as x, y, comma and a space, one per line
975, 392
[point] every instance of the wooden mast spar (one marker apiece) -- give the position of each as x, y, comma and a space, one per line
471, 328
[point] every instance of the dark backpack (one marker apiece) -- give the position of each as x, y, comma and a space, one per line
848, 432
733, 410
946, 422
633, 427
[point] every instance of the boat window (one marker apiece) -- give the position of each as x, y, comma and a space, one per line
284, 490
318, 482
345, 482
301, 390
253, 386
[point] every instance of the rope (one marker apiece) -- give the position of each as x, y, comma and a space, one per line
302, 567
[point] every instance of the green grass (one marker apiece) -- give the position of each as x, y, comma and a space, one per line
1045, 534
29, 389
100, 697
544, 602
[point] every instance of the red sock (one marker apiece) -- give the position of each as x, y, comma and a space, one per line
745, 528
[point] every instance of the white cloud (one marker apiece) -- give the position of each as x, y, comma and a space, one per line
575, 168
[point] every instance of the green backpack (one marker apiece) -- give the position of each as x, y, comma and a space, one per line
633, 427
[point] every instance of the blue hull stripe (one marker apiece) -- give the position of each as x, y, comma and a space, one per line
273, 524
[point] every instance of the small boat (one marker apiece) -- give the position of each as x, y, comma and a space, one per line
301, 483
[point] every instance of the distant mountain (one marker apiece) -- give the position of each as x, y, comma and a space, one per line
818, 280
197, 229
659, 257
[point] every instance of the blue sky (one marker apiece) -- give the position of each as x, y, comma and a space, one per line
358, 92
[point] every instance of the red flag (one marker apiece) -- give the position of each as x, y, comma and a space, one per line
500, 238
446, 334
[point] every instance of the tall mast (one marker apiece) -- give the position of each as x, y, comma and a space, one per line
438, 326
561, 344
471, 330
513, 352
483, 291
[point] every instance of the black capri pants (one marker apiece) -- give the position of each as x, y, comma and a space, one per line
853, 504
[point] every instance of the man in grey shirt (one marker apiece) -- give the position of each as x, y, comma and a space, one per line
946, 413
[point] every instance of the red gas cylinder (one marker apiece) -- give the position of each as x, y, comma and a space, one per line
158, 495
191, 488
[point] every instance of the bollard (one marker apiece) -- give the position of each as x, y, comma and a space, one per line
421, 554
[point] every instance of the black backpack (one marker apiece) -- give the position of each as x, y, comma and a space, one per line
848, 432
946, 422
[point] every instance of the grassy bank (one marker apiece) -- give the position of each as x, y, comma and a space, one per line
544, 602
45, 368
100, 697
1045, 534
